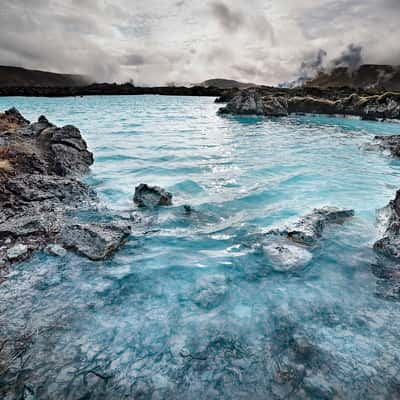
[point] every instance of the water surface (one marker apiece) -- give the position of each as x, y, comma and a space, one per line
190, 307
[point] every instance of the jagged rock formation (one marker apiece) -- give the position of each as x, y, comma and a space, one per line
39, 169
387, 268
310, 227
390, 143
389, 220
261, 102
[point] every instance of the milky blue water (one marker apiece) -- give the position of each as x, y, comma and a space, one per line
190, 307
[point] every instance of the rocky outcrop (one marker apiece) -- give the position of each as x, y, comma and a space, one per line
389, 223
390, 143
387, 268
309, 228
269, 103
289, 248
40, 165
246, 102
151, 196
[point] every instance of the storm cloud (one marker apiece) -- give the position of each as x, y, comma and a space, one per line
229, 19
351, 57
183, 41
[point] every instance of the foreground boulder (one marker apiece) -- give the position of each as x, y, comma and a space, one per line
96, 241
151, 196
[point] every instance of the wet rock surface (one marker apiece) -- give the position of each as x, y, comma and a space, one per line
309, 229
286, 256
387, 267
263, 101
151, 196
40, 167
390, 143
289, 248
96, 241
389, 220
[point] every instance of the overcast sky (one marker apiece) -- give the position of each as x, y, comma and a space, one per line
188, 41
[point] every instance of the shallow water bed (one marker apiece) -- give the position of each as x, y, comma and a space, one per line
191, 306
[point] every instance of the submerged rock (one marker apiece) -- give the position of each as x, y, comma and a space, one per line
96, 241
151, 196
210, 291
285, 256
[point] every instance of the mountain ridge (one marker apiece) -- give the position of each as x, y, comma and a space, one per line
11, 76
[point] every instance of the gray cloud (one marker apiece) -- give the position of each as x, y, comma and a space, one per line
185, 41
350, 58
229, 19
133, 59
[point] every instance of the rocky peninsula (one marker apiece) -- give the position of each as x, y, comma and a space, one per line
41, 193
277, 103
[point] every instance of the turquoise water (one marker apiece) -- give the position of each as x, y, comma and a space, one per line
190, 307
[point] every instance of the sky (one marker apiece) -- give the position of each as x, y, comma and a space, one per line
188, 41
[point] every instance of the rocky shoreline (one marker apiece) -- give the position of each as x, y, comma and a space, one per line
113, 89
369, 106
41, 194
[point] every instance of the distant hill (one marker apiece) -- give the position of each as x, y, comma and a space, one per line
226, 84
21, 77
368, 76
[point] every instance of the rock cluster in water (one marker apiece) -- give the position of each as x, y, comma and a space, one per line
40, 166
289, 248
257, 101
